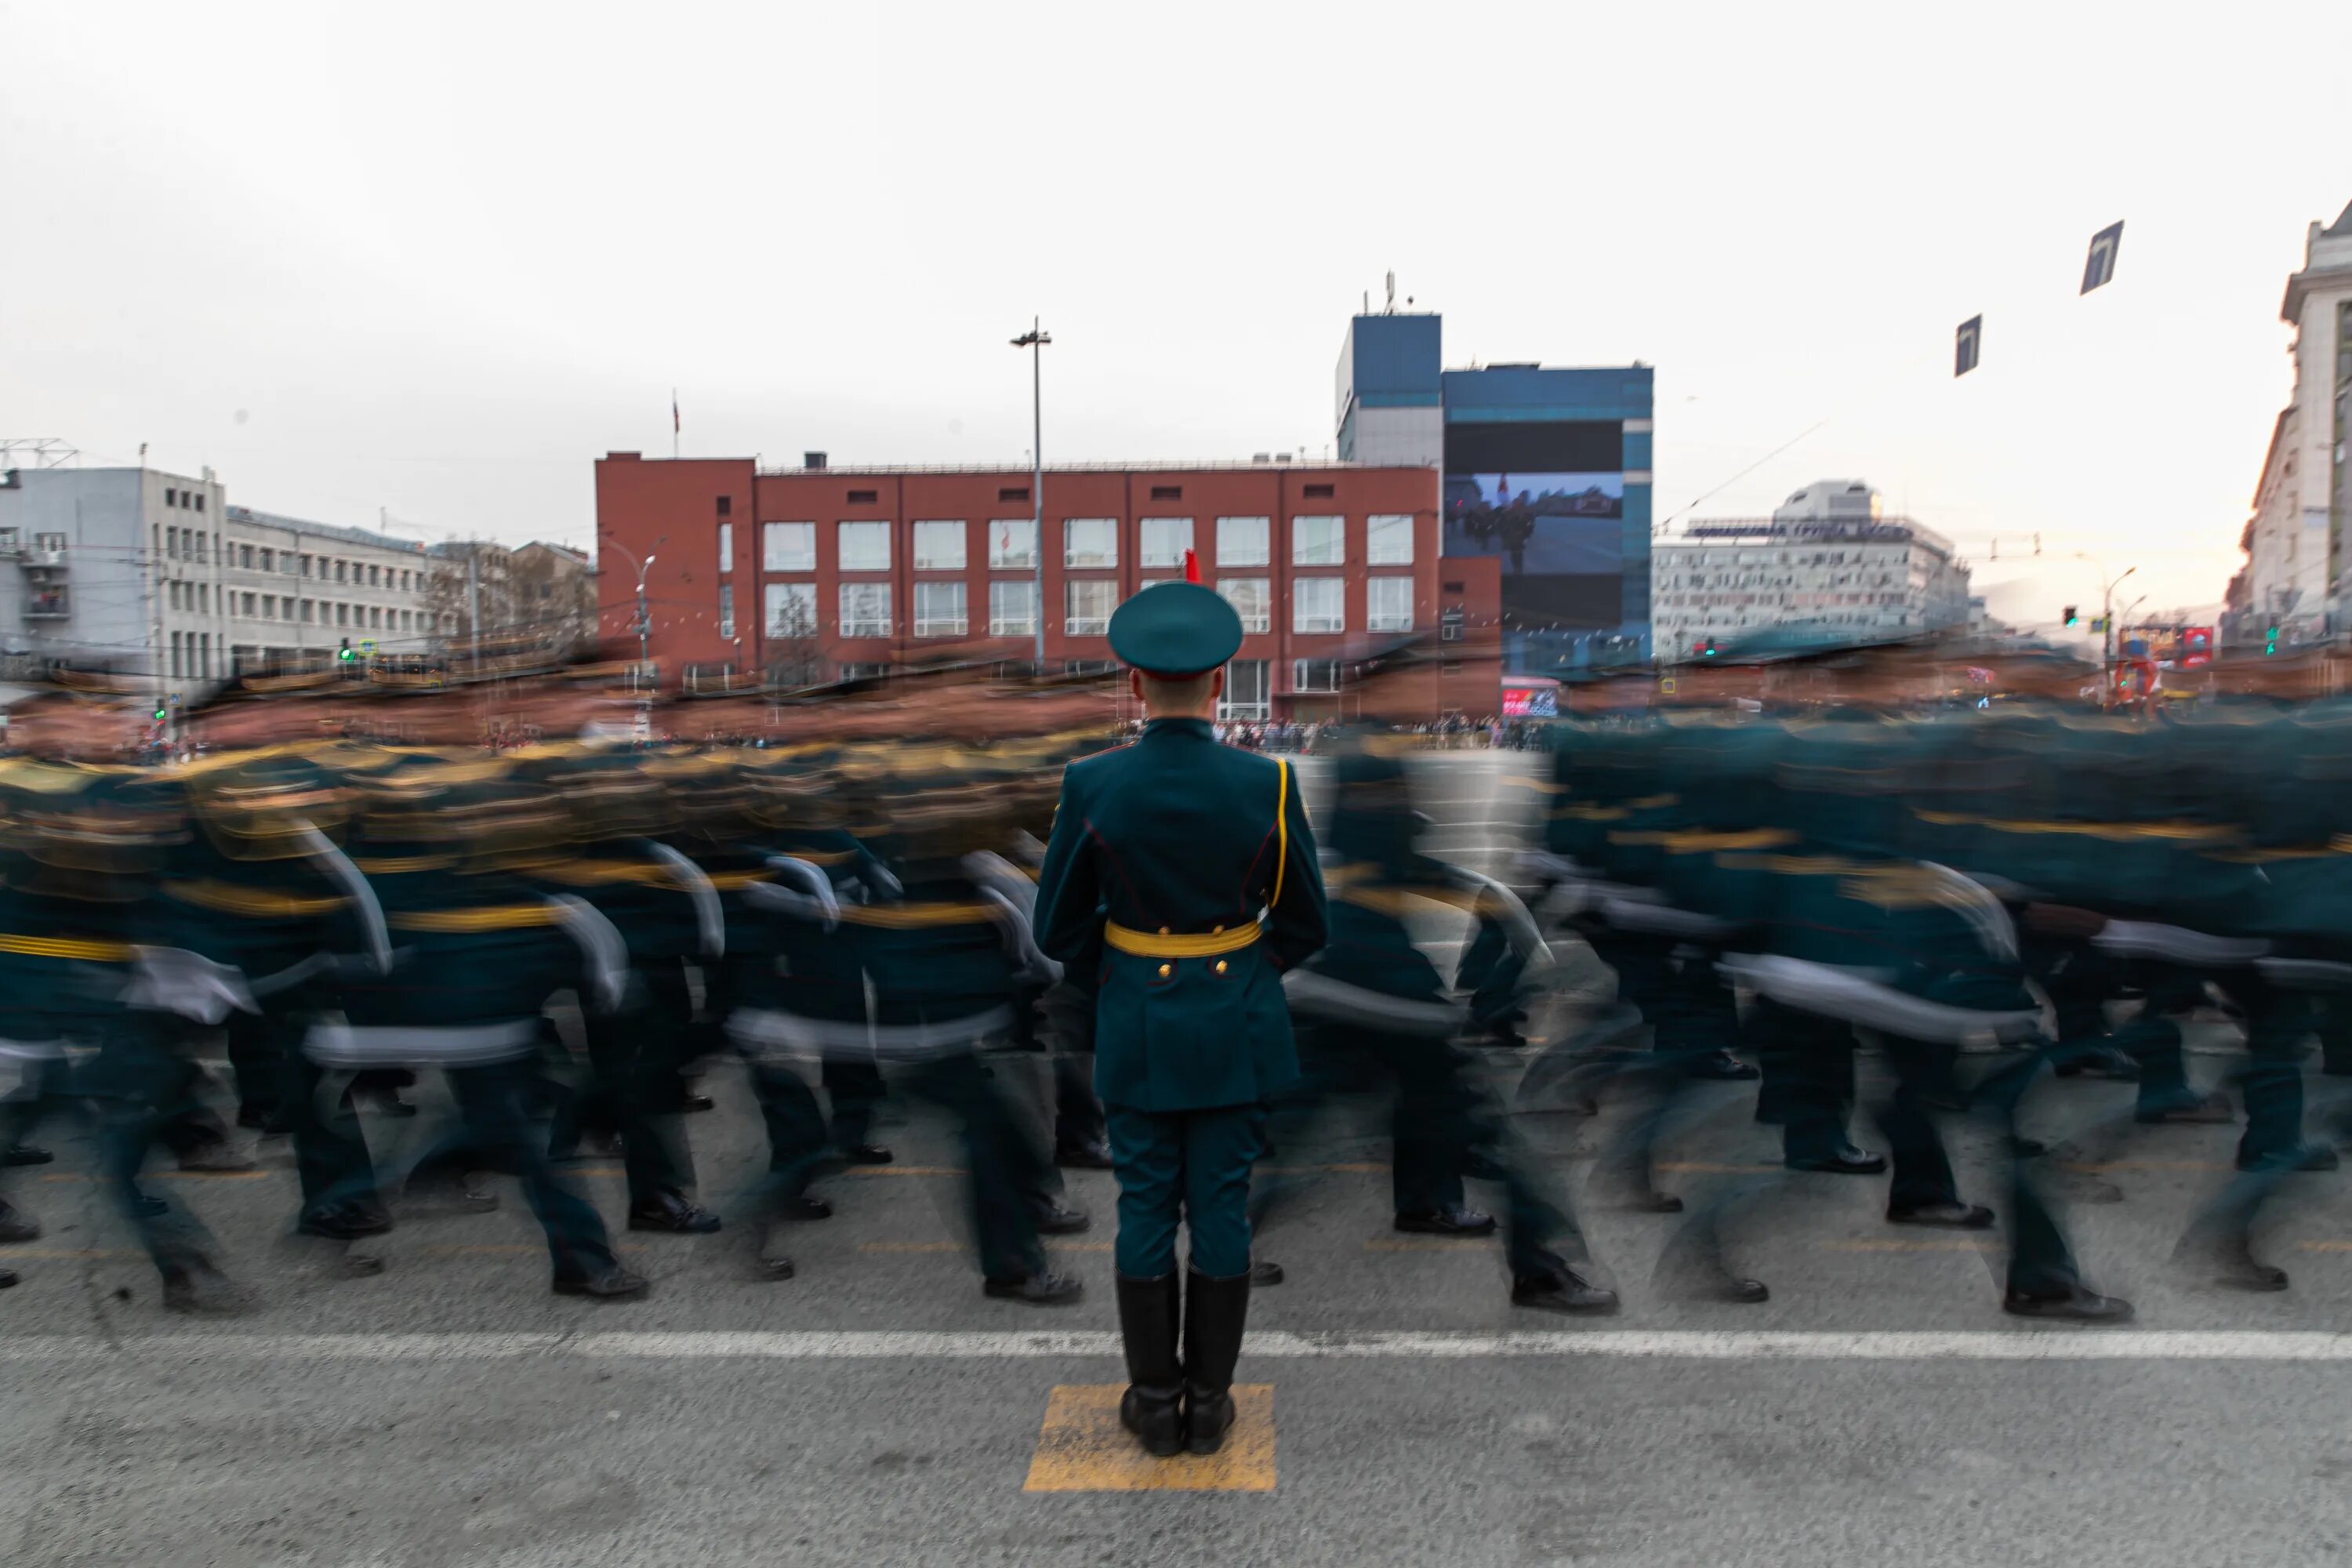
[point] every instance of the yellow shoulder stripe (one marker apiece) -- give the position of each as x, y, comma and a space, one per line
469, 922
260, 903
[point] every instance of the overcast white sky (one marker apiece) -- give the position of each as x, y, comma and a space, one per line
437, 259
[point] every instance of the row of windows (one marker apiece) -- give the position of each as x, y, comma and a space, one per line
1249, 687
194, 545
1317, 606
197, 597
191, 654
192, 501
943, 544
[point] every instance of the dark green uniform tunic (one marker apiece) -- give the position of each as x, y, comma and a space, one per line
1162, 857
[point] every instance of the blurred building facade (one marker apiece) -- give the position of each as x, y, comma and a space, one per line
156, 574
798, 576
539, 593
1828, 558
2294, 542
296, 593
1547, 475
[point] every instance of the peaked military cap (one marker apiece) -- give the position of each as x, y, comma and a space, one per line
1175, 629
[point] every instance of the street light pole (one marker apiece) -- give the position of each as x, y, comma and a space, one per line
644, 622
2106, 626
1034, 340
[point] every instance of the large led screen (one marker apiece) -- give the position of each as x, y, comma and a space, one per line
1547, 500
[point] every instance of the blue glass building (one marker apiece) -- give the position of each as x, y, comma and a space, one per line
1545, 469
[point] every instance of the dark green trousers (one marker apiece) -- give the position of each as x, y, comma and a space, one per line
1189, 1168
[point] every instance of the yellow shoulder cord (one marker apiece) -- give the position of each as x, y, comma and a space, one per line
1281, 827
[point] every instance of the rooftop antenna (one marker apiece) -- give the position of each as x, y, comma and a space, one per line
1392, 309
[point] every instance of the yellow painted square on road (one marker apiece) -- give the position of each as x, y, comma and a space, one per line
1083, 1448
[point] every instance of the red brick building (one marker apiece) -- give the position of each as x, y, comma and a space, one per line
805, 573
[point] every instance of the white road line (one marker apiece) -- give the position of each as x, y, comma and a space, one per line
2016, 1344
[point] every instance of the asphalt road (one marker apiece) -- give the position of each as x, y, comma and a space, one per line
877, 1409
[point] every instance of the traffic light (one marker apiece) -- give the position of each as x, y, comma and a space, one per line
345, 652
1706, 649
2270, 641
158, 715
2070, 617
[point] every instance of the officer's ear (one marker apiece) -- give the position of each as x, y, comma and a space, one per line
1135, 683
1217, 685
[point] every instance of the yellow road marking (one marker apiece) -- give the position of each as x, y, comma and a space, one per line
2307, 1247
62, 1254
1082, 1447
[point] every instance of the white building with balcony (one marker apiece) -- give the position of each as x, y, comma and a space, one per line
155, 573
1828, 557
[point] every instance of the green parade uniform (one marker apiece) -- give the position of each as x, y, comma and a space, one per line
477, 952
1190, 868
668, 913
68, 919
1371, 1006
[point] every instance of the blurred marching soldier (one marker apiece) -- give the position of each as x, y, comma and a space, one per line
917, 968
784, 871
1187, 871
616, 806
101, 957
475, 954
261, 889
1067, 1007
66, 902
1370, 1005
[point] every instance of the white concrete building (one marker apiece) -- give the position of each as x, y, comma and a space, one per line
293, 593
2294, 542
104, 567
1827, 558
155, 573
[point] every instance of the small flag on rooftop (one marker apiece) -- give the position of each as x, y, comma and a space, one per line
2099, 267
1966, 344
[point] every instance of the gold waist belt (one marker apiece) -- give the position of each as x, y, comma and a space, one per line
1180, 944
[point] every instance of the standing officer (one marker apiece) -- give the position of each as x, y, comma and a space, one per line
1188, 871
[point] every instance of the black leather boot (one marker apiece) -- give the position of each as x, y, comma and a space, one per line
1214, 1314
1151, 1407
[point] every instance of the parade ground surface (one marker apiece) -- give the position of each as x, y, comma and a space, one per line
1395, 1407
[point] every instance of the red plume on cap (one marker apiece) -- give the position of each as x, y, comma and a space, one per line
1191, 566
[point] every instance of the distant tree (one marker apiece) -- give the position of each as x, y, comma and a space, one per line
794, 655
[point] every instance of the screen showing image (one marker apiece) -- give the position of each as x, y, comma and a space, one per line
1540, 523
1546, 499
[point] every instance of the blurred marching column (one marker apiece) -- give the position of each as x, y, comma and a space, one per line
262, 891
790, 992
1371, 1009
2284, 885
95, 957
885, 945
618, 807
949, 965
1065, 1010
475, 956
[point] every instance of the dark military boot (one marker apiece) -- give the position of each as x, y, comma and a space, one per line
1214, 1314
1150, 1408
